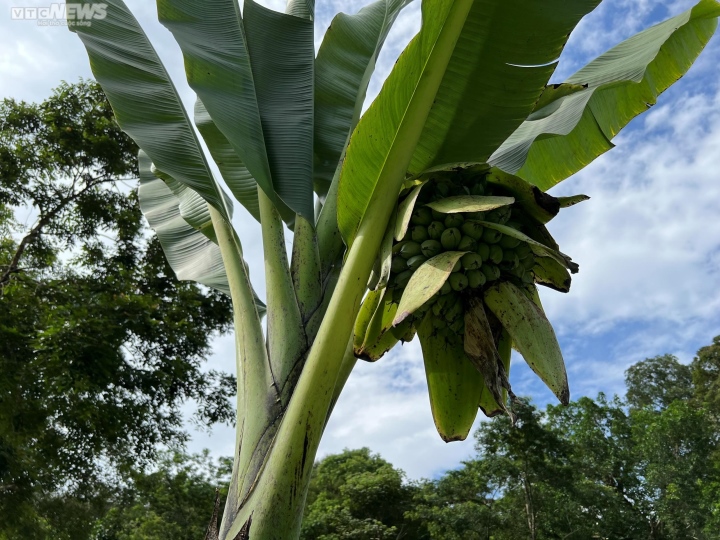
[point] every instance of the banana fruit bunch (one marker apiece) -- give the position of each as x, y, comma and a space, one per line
458, 266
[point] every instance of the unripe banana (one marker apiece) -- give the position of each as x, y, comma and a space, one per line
510, 258
476, 216
457, 326
476, 279
446, 288
496, 254
472, 229
528, 262
500, 215
471, 261
430, 248
467, 244
457, 267
439, 323
437, 216
458, 281
508, 242
446, 300
454, 311
415, 262
491, 271
421, 215
454, 220
477, 189
398, 264
402, 279
450, 238
523, 250
484, 251
409, 249
491, 236
435, 230
419, 233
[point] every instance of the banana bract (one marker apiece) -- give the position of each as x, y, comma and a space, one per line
459, 265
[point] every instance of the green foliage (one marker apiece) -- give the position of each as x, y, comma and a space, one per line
357, 495
706, 377
657, 382
645, 468
99, 344
173, 501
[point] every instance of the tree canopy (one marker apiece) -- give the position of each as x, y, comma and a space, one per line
100, 345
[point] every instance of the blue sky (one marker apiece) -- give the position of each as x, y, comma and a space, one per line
648, 241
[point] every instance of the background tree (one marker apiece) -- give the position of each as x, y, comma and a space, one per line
608, 492
172, 501
100, 345
657, 382
357, 495
460, 505
706, 377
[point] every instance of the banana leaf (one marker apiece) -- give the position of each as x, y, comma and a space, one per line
570, 132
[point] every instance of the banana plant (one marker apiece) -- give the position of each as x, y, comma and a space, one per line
426, 214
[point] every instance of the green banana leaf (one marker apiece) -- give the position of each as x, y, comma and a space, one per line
553, 92
501, 63
192, 207
425, 282
220, 50
144, 99
217, 65
531, 334
563, 137
463, 84
237, 177
285, 93
470, 203
301, 8
192, 255
453, 382
382, 143
345, 61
